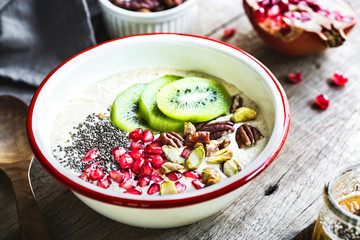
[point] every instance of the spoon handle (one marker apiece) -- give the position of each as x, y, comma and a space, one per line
31, 220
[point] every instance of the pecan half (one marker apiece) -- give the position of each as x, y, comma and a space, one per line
172, 138
237, 103
197, 137
247, 135
217, 129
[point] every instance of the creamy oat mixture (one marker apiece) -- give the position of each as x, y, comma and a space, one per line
99, 97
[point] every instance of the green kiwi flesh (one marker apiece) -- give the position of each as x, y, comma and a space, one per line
125, 112
194, 99
148, 106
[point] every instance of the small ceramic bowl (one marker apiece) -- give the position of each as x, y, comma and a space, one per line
121, 22
186, 52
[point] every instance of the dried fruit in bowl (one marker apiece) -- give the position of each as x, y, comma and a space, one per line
301, 27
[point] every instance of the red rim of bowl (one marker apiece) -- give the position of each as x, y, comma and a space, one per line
157, 203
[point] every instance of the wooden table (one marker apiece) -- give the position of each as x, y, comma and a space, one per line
284, 201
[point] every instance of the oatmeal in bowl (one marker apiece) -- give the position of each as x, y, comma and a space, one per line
164, 124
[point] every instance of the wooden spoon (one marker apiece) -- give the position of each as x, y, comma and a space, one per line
15, 160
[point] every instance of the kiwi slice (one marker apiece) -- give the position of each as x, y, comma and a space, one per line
148, 107
194, 99
125, 112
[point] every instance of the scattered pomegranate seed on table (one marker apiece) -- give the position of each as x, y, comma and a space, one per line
229, 32
340, 78
295, 77
322, 101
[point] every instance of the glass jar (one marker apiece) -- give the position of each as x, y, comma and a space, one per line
339, 218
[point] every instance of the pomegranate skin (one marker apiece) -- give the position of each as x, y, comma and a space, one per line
306, 43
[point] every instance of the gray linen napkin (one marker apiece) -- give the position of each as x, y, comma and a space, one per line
37, 35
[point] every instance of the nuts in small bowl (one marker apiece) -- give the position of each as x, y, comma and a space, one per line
123, 18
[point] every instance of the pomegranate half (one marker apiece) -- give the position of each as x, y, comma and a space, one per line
301, 27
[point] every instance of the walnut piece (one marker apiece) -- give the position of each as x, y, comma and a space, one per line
247, 135
216, 129
197, 137
172, 138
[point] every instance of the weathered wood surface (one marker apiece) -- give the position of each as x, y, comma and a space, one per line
318, 142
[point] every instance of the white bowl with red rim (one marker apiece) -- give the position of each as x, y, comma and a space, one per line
121, 22
179, 51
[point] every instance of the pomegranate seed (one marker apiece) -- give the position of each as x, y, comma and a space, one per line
154, 188
192, 174
229, 32
135, 191
346, 19
138, 164
157, 142
261, 3
117, 152
157, 161
144, 181
97, 174
198, 184
285, 29
127, 174
180, 187
136, 134
157, 178
135, 146
186, 152
85, 176
322, 101
283, 5
91, 167
152, 149
174, 175
135, 155
305, 16
259, 15
147, 136
340, 78
146, 169
148, 158
294, 2
314, 7
126, 161
128, 184
92, 154
117, 176
273, 12
324, 12
104, 183
295, 77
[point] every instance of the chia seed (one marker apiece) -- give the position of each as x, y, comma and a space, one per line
92, 133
